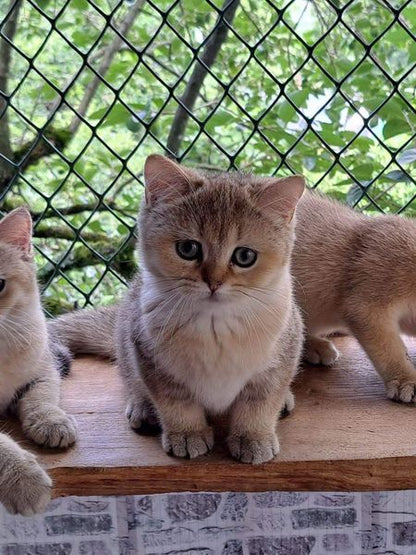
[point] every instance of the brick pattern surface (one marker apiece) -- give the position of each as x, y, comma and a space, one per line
275, 523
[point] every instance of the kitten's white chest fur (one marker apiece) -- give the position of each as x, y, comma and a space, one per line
215, 354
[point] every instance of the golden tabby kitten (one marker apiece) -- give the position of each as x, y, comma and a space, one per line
356, 274
29, 377
210, 325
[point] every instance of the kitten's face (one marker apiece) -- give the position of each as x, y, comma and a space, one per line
17, 273
219, 242
215, 242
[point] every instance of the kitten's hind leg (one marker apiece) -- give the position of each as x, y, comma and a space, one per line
288, 406
379, 336
142, 416
318, 350
25, 488
43, 421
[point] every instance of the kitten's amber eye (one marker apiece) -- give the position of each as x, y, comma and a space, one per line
244, 257
189, 250
2, 284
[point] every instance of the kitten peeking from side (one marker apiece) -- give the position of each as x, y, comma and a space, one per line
29, 377
210, 324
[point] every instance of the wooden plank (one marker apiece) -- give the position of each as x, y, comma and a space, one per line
343, 435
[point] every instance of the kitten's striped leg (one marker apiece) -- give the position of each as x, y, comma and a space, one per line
253, 437
142, 416
43, 421
185, 430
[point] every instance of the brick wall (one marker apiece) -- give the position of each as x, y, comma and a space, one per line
273, 523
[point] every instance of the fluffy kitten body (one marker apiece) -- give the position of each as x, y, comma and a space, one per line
207, 335
29, 377
355, 274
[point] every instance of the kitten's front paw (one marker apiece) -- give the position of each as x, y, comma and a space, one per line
142, 417
401, 391
51, 428
28, 490
254, 450
188, 444
320, 351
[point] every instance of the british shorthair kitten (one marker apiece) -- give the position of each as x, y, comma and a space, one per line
356, 274
210, 325
29, 377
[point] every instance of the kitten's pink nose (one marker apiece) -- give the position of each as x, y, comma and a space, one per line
214, 285
211, 277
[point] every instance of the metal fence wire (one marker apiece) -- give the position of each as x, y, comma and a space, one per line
89, 88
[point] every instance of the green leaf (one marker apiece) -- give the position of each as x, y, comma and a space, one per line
331, 138
98, 114
80, 5
309, 162
398, 175
356, 192
300, 98
395, 127
96, 226
287, 113
133, 124
407, 156
80, 38
117, 115
221, 117
43, 4
363, 171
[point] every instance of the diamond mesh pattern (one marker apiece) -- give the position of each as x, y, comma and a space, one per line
89, 88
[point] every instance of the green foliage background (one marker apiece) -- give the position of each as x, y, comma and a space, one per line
320, 87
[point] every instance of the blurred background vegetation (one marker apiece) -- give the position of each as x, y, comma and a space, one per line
89, 88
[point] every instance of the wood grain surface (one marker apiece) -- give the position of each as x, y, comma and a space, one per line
343, 435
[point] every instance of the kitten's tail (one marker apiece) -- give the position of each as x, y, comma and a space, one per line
86, 332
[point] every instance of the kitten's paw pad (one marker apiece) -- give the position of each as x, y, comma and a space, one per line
52, 429
142, 417
188, 445
321, 352
401, 392
28, 490
253, 450
288, 406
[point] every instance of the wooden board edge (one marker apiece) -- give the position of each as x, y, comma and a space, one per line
396, 473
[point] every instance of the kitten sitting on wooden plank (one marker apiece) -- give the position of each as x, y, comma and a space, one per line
29, 376
210, 324
356, 274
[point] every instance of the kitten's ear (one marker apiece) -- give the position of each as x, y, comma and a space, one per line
16, 229
280, 196
165, 180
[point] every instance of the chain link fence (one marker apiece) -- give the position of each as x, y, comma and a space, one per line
89, 88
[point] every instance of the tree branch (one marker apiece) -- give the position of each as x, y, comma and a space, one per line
9, 30
10, 204
108, 56
202, 65
52, 139
82, 256
45, 231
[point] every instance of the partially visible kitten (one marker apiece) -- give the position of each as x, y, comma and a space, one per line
29, 377
356, 274
210, 325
